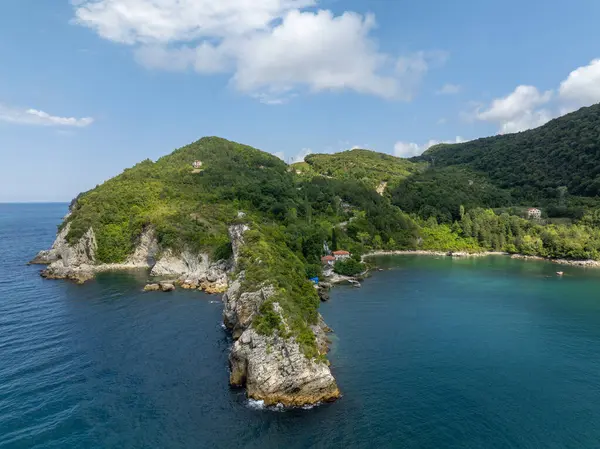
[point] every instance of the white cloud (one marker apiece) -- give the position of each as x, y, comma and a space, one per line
300, 156
449, 89
410, 149
518, 111
317, 50
164, 21
582, 86
272, 48
37, 117
413, 68
526, 107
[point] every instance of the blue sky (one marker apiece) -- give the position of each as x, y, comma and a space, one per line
90, 87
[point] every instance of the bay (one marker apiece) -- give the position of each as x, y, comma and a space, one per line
429, 353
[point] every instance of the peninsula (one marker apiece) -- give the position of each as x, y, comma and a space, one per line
227, 218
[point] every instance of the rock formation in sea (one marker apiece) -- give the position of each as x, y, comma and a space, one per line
273, 368
77, 262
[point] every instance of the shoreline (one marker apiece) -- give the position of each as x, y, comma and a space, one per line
584, 263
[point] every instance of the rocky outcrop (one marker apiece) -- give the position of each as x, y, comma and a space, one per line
78, 262
167, 287
46, 257
274, 369
194, 270
75, 262
146, 249
241, 306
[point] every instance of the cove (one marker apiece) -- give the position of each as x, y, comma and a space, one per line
485, 352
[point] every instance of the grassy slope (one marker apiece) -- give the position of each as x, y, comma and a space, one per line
361, 165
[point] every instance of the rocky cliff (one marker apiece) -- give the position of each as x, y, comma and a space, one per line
78, 262
271, 367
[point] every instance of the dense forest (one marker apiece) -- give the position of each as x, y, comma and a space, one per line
534, 164
466, 197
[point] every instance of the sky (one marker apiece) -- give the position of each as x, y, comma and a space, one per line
90, 87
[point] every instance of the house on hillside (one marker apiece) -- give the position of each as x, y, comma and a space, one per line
341, 255
328, 260
534, 213
197, 164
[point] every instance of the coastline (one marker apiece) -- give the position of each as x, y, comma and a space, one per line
585, 263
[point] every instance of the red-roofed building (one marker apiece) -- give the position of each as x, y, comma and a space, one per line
341, 254
328, 260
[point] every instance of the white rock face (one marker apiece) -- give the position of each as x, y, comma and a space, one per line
236, 235
193, 270
145, 250
48, 256
275, 371
241, 306
74, 262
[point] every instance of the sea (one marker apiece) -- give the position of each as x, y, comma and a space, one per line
429, 353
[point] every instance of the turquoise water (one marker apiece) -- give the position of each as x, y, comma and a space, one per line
430, 353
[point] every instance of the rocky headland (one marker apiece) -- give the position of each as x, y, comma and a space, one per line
273, 368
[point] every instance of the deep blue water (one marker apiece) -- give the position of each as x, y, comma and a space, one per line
431, 353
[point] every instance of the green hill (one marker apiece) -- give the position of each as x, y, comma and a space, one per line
534, 164
367, 166
191, 208
293, 211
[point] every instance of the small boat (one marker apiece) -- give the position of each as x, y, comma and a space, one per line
560, 273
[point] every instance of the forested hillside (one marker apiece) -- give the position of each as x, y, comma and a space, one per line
464, 197
366, 166
534, 164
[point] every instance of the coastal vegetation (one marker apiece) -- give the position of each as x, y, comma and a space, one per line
349, 267
469, 197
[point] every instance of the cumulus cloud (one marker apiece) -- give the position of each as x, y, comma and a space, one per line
410, 149
41, 118
271, 48
449, 89
164, 21
518, 111
582, 86
527, 107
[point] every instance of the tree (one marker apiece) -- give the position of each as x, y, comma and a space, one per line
348, 267
334, 245
377, 242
